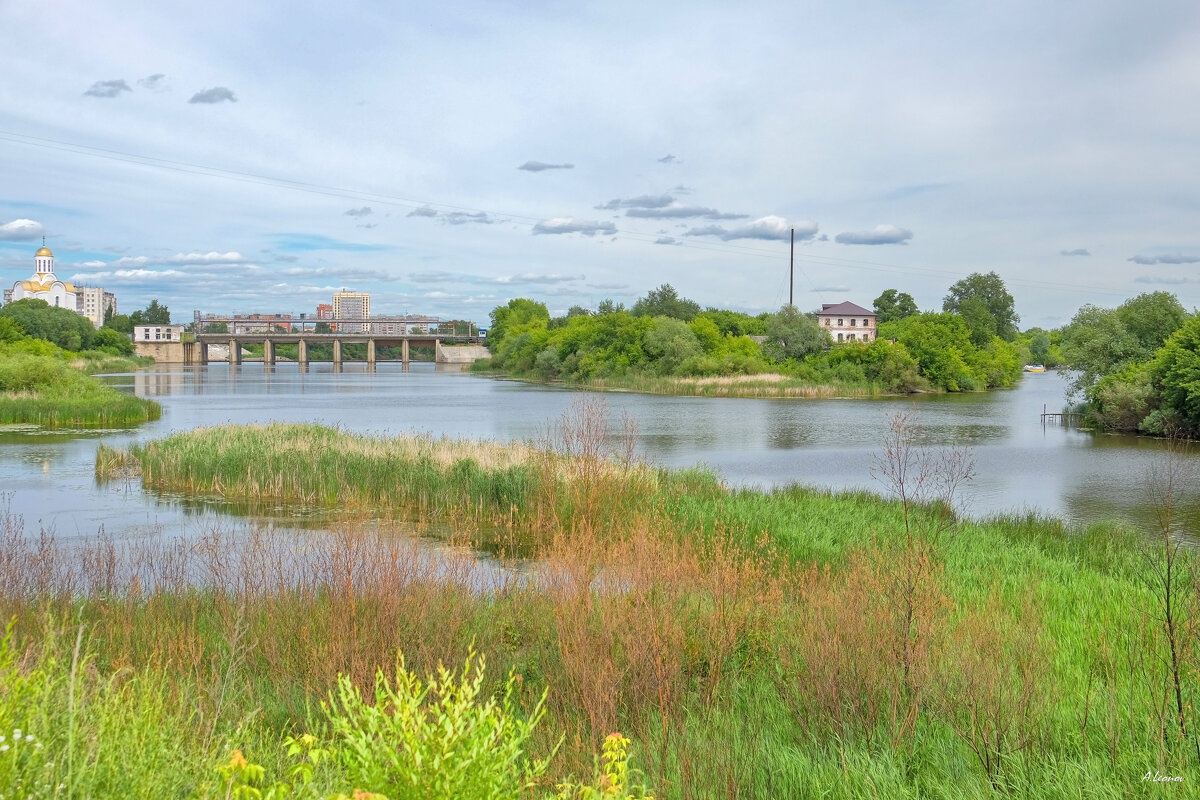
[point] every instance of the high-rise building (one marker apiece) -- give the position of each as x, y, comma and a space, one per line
351, 305
93, 302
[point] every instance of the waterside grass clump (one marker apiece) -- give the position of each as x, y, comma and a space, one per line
496, 484
791, 643
48, 390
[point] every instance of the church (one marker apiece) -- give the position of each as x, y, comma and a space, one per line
44, 284
86, 301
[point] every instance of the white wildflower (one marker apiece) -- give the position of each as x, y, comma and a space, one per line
29, 738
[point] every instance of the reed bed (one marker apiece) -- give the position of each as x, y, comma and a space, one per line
510, 484
791, 643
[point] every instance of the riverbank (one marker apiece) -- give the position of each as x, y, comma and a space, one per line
731, 634
54, 392
767, 385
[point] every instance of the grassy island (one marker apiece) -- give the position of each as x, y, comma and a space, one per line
791, 643
667, 345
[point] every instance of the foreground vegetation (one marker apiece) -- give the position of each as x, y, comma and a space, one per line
790, 643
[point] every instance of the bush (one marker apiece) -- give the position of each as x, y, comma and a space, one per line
439, 739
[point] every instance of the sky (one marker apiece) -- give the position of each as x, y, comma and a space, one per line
256, 157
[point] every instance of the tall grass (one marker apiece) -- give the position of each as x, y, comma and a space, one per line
750, 644
47, 391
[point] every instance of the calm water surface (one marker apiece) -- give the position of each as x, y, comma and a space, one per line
1021, 465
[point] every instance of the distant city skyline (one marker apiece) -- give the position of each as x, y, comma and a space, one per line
235, 158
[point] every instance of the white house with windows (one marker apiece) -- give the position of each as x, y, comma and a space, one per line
157, 333
847, 322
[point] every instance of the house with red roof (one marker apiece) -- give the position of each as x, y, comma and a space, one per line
847, 322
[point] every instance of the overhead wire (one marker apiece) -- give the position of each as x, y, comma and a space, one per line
726, 247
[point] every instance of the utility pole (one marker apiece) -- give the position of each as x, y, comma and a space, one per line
792, 268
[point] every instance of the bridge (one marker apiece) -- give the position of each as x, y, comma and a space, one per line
302, 332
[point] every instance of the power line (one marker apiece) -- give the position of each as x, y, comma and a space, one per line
205, 170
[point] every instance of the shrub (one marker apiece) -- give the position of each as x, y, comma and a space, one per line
439, 739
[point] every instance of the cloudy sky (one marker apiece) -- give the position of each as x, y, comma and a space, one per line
254, 157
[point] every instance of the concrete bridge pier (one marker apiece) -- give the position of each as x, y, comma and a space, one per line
337, 353
437, 351
268, 352
302, 355
404, 353
203, 352
235, 352
371, 352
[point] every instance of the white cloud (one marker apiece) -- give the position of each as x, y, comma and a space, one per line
573, 225
542, 279
217, 94
365, 211
679, 211
541, 166
122, 275
21, 230
154, 83
1177, 258
881, 234
1079, 251
206, 258
107, 89
768, 227
642, 201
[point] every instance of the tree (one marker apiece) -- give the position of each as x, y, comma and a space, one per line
1151, 318
609, 307
153, 314
62, 326
1039, 347
991, 291
671, 342
666, 302
320, 327
979, 319
114, 341
518, 312
1175, 373
121, 323
791, 334
1097, 343
892, 306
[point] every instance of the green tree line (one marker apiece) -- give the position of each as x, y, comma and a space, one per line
666, 335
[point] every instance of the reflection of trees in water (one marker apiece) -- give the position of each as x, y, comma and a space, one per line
788, 434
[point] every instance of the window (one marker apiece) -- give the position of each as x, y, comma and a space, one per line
839, 337
867, 323
851, 337
840, 324
853, 322
146, 333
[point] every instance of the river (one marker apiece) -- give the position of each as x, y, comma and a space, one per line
1021, 465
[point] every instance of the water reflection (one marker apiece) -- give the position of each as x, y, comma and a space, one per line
1021, 464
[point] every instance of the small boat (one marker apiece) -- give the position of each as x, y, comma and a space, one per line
1035, 368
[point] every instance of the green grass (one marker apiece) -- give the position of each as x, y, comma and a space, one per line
47, 391
746, 641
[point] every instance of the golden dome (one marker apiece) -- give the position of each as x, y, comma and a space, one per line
44, 251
